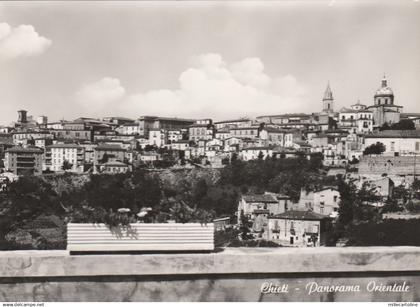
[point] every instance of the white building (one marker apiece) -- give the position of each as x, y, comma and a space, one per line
322, 201
397, 142
60, 157
129, 128
253, 153
156, 137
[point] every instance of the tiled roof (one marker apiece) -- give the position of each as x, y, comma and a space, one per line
259, 198
64, 146
109, 147
245, 128
275, 130
287, 115
404, 134
18, 149
258, 148
233, 121
300, 215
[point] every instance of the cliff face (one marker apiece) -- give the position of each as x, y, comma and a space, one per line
176, 179
67, 182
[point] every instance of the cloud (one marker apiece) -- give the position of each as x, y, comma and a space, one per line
21, 41
213, 88
209, 88
100, 93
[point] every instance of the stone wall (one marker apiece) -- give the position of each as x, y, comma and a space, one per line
235, 274
378, 165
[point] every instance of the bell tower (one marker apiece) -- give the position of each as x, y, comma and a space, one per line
328, 100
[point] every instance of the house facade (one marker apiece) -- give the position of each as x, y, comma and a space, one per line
23, 160
299, 229
321, 201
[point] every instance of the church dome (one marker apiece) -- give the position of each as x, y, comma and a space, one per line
384, 90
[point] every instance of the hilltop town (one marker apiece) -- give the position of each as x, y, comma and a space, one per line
369, 150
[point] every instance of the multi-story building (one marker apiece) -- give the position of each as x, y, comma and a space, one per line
174, 136
74, 125
198, 132
253, 153
234, 123
299, 228
245, 132
89, 151
252, 205
116, 120
384, 110
323, 201
356, 120
163, 123
180, 145
114, 167
106, 153
66, 134
23, 160
129, 128
397, 142
156, 137
64, 157
222, 134
55, 125
25, 137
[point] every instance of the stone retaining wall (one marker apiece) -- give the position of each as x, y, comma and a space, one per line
235, 274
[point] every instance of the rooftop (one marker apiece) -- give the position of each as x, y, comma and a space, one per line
109, 147
148, 117
287, 115
19, 149
233, 121
404, 134
64, 146
259, 198
259, 148
300, 215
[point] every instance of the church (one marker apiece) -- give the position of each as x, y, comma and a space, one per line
384, 110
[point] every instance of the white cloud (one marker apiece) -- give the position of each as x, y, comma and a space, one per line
100, 93
212, 88
21, 41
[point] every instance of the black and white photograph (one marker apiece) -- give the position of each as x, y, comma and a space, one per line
209, 151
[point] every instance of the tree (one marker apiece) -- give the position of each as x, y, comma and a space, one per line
234, 157
374, 149
415, 185
66, 165
104, 158
404, 124
385, 126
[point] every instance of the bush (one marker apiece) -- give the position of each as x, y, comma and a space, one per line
386, 233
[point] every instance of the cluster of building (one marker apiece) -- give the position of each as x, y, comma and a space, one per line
116, 144
305, 223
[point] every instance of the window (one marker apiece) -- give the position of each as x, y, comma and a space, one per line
417, 146
392, 146
335, 198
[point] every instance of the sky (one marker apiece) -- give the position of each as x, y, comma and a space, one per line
219, 60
